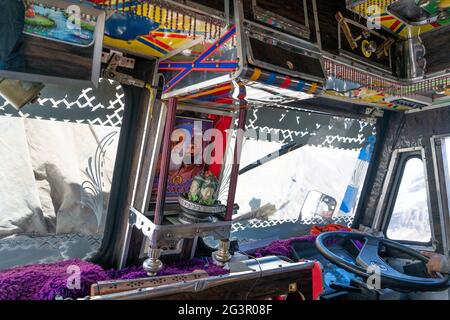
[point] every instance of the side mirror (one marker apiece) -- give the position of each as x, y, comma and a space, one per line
318, 205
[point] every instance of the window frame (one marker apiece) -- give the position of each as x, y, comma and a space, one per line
441, 188
110, 232
395, 174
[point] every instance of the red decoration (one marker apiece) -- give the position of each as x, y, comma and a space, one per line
316, 230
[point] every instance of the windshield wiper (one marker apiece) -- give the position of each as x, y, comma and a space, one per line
287, 148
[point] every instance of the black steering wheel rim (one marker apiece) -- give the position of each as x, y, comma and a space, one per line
368, 255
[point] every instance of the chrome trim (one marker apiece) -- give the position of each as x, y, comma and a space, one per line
377, 221
238, 18
282, 37
420, 23
382, 72
168, 235
282, 71
204, 210
427, 185
198, 8
317, 24
210, 110
303, 30
262, 267
438, 170
185, 46
432, 107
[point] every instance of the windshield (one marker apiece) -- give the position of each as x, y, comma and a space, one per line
317, 182
58, 157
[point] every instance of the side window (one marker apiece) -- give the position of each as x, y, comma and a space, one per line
446, 165
317, 181
410, 220
57, 162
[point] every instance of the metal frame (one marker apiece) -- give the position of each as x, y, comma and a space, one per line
353, 3
244, 28
317, 24
165, 160
168, 235
153, 124
200, 63
419, 23
382, 217
198, 8
254, 269
441, 188
344, 58
432, 107
308, 49
303, 30
163, 235
373, 70
238, 18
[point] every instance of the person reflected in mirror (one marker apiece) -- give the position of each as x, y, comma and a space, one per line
12, 20
437, 263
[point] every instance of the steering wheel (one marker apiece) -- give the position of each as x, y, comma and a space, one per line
369, 256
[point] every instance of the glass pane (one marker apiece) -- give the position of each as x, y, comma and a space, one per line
318, 181
410, 219
57, 161
446, 157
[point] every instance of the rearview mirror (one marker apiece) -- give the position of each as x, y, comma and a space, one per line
318, 205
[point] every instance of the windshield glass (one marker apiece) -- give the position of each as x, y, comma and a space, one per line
318, 180
58, 156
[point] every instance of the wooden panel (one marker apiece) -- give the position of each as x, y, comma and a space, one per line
50, 58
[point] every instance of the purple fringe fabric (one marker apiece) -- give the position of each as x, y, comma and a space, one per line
282, 247
48, 281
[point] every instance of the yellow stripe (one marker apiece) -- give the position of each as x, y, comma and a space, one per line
313, 88
204, 93
256, 74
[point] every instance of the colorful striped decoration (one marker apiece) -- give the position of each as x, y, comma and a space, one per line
377, 11
281, 81
200, 63
351, 194
176, 27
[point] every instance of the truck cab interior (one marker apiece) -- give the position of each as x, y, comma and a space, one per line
224, 149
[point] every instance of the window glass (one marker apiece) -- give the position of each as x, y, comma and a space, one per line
319, 181
57, 160
446, 158
410, 220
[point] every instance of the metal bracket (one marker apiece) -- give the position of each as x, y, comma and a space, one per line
168, 235
346, 29
373, 114
115, 59
118, 61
